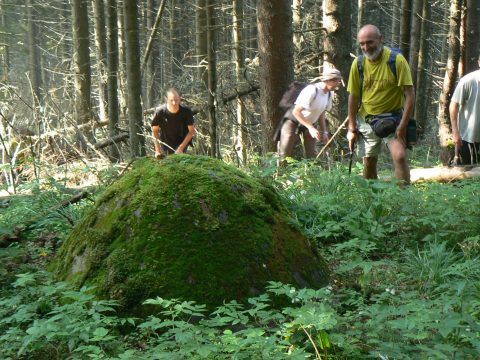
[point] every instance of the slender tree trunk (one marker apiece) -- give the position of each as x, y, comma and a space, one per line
472, 35
275, 46
134, 81
239, 57
122, 73
175, 44
396, 14
212, 79
415, 38
4, 44
449, 81
337, 45
201, 40
405, 22
360, 15
112, 81
297, 24
101, 53
151, 84
421, 88
81, 60
34, 55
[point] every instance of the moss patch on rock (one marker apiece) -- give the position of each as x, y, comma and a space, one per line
187, 227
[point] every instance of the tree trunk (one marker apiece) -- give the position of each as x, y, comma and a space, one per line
337, 45
34, 55
122, 73
239, 58
297, 24
112, 81
212, 79
396, 13
360, 15
449, 81
415, 38
472, 35
421, 105
134, 81
81, 59
4, 44
201, 40
101, 53
275, 47
405, 27
175, 43
153, 54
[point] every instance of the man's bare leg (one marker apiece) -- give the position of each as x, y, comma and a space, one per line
399, 157
370, 167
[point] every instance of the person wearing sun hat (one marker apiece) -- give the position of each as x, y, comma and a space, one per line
308, 111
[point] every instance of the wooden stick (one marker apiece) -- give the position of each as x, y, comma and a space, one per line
333, 137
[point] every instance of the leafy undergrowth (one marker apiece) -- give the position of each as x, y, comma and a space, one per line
406, 285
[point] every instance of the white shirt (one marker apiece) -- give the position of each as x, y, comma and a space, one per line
314, 101
467, 95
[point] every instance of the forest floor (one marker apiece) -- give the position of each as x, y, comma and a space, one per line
405, 276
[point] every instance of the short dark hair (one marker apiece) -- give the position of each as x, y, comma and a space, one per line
173, 90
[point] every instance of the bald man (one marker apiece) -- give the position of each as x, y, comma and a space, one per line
379, 96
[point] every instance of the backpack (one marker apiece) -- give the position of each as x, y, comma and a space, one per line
291, 94
287, 103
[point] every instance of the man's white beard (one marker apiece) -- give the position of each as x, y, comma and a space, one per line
375, 55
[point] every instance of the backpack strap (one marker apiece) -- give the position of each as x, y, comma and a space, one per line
391, 64
392, 61
360, 61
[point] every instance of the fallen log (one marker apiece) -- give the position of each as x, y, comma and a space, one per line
17, 232
444, 174
113, 140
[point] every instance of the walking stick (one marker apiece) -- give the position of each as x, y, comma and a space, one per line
351, 159
331, 139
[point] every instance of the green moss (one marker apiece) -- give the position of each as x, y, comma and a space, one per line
187, 227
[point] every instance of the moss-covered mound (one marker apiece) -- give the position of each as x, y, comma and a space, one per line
187, 227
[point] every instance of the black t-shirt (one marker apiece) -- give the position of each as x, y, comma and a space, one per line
173, 126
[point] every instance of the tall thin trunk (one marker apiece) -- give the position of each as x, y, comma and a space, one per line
396, 13
201, 40
472, 35
415, 37
34, 55
449, 81
175, 43
405, 22
112, 80
212, 79
122, 73
81, 58
151, 76
101, 53
239, 57
421, 98
4, 44
360, 14
134, 81
275, 47
337, 48
297, 24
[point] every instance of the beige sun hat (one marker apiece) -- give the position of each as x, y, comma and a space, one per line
331, 74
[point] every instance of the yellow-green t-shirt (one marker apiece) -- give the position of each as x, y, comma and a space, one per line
382, 92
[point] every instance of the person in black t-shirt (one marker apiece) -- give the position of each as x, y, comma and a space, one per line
172, 126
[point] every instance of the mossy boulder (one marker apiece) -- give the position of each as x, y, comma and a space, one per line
187, 227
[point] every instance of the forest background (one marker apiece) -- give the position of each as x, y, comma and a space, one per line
79, 82
86, 76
